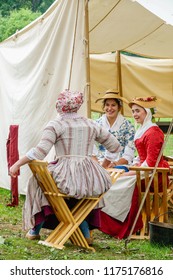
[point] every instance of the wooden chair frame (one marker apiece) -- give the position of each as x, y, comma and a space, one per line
156, 203
170, 190
69, 219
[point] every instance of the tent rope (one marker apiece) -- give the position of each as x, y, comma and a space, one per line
127, 240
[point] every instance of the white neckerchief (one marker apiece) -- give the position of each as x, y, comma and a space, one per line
146, 124
116, 125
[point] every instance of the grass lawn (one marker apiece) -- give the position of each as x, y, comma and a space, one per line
14, 245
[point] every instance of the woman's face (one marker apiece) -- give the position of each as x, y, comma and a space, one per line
111, 108
138, 113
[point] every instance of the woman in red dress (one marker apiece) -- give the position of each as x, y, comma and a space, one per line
149, 139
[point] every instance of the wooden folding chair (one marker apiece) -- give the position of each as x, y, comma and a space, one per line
169, 159
156, 202
69, 219
170, 189
114, 173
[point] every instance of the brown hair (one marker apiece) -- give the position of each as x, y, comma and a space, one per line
118, 101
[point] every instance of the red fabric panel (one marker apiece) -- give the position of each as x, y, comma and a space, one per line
12, 157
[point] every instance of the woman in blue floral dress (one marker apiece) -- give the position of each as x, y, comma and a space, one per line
120, 127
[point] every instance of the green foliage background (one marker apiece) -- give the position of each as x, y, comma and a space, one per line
16, 14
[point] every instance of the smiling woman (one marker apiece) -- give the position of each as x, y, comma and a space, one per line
119, 126
139, 113
146, 142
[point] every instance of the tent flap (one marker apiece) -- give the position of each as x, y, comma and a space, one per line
35, 66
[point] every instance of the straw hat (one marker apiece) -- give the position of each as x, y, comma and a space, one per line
145, 102
112, 94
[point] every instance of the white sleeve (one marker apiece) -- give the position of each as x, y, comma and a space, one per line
30, 154
144, 164
128, 154
95, 151
136, 161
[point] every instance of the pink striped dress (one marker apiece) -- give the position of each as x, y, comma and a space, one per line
73, 170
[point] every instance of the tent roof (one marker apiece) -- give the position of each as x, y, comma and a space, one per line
140, 77
139, 27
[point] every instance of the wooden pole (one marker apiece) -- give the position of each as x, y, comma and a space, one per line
87, 61
119, 75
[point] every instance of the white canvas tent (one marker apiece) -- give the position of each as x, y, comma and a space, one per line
51, 54
127, 25
35, 65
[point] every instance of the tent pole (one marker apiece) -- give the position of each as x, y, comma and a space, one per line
87, 61
119, 75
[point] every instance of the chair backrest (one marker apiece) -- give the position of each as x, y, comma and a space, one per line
170, 190
114, 173
44, 178
156, 201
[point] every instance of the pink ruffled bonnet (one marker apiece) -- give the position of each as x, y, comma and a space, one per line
69, 101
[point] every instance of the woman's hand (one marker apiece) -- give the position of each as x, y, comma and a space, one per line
106, 163
121, 161
112, 164
14, 170
95, 158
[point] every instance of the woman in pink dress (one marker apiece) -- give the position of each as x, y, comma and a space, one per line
149, 139
74, 170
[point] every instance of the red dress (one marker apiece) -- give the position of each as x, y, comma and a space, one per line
148, 147
116, 228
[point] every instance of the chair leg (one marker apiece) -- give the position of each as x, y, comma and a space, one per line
62, 233
69, 227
